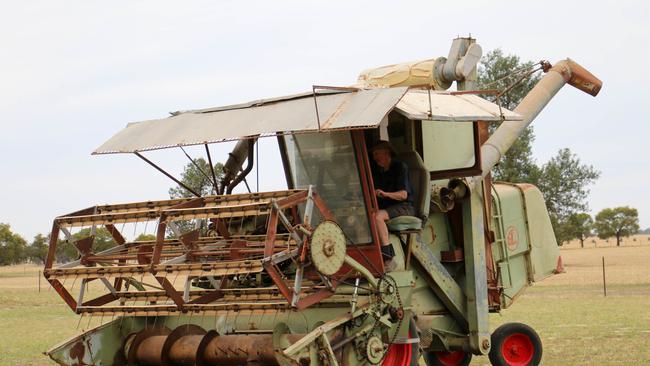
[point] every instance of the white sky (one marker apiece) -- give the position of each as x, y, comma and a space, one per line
73, 73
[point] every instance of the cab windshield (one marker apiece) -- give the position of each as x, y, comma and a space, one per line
328, 162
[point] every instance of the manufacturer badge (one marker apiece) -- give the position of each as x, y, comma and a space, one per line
512, 238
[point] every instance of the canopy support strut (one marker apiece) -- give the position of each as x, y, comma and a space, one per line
214, 177
199, 168
167, 174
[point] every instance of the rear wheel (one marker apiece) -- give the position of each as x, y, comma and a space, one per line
454, 358
515, 344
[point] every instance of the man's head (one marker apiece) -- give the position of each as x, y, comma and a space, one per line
382, 154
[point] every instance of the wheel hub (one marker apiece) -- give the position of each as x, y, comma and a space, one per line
518, 349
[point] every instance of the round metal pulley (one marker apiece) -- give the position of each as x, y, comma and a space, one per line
375, 350
327, 248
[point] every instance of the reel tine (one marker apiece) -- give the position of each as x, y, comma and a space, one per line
90, 318
79, 322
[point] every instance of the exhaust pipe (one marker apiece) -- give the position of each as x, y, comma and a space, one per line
564, 72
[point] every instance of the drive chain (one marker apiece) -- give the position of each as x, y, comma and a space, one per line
400, 309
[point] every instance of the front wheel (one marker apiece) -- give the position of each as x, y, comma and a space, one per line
515, 344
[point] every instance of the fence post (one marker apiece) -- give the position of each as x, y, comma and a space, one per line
604, 282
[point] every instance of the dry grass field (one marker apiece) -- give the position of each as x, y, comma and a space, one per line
577, 324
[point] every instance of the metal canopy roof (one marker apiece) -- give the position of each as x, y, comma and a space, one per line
297, 113
445, 106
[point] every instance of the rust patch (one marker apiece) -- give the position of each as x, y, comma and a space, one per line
525, 186
144, 254
236, 250
78, 351
335, 115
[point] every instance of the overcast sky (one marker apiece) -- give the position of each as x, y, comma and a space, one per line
73, 73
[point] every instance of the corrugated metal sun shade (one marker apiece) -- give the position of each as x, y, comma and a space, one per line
293, 114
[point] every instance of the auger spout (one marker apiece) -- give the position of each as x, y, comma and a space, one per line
564, 72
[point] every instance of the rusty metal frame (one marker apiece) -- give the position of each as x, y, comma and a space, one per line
160, 258
270, 262
150, 254
369, 254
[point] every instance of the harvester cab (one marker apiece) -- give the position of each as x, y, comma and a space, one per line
296, 276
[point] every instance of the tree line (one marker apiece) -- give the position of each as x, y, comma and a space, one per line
618, 222
14, 249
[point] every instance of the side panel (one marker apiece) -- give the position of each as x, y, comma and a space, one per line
526, 250
439, 138
544, 250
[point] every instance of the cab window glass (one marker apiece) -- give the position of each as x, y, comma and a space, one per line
328, 161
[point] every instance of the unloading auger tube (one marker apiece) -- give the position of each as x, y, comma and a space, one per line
565, 71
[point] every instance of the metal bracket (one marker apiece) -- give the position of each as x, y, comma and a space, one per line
447, 289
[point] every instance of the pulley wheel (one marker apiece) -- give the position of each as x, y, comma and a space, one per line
375, 350
327, 248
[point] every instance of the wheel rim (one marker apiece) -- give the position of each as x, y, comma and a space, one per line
517, 349
450, 358
398, 354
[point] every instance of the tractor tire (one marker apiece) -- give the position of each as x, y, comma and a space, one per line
441, 358
515, 344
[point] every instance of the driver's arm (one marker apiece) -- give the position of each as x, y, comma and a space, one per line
397, 196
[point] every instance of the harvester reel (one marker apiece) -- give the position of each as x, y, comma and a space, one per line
327, 248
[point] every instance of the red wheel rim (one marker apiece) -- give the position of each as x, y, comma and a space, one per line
450, 358
517, 349
398, 354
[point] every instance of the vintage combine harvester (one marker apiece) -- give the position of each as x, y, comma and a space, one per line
296, 277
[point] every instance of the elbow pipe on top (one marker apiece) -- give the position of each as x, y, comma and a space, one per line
578, 77
564, 72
